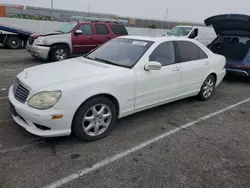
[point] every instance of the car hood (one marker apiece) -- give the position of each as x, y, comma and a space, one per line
36, 35
230, 24
67, 70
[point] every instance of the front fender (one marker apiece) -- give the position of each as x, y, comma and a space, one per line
64, 39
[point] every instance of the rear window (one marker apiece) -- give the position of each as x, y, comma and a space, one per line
119, 29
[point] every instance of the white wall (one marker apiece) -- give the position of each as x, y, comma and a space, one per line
47, 26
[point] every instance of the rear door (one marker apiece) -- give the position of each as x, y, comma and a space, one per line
83, 43
102, 33
194, 66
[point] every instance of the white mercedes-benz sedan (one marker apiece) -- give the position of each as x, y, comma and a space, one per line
86, 95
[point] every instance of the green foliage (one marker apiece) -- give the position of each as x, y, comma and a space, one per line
30, 17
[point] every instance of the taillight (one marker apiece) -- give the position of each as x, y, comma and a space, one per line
242, 66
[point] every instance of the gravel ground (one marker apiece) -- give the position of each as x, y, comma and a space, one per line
212, 153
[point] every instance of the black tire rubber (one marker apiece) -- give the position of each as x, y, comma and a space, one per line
77, 122
200, 95
55, 48
248, 79
8, 42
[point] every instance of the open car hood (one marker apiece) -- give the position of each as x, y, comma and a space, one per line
230, 24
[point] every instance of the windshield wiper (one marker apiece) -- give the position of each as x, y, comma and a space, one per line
58, 31
88, 57
107, 62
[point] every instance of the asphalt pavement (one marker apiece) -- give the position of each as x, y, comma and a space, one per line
211, 152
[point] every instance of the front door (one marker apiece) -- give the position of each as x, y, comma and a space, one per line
194, 66
160, 85
85, 42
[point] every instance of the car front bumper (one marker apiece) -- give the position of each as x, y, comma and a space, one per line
34, 121
41, 52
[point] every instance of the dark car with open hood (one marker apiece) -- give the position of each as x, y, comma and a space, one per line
232, 41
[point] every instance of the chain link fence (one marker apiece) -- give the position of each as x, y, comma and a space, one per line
37, 13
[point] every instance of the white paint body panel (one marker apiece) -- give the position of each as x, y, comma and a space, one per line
135, 89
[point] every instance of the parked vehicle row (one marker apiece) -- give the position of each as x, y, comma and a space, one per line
126, 74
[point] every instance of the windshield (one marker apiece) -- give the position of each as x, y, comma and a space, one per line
121, 52
180, 31
67, 28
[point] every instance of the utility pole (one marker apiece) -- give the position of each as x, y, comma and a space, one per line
52, 3
164, 18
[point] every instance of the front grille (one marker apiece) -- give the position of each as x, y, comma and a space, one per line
20, 91
31, 40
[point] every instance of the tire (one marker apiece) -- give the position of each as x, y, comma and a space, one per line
209, 87
248, 79
82, 127
13, 42
59, 53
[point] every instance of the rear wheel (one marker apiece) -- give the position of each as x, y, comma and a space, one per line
13, 42
95, 119
59, 53
207, 88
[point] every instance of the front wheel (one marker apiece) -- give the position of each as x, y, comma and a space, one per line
207, 88
95, 119
59, 53
13, 42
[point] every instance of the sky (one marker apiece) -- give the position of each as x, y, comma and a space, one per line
178, 10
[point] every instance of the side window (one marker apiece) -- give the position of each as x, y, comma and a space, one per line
118, 29
164, 54
101, 29
202, 54
194, 34
86, 29
188, 51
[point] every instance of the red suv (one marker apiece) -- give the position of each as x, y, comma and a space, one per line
73, 38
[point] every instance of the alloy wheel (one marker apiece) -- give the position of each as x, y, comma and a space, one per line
208, 88
61, 54
97, 119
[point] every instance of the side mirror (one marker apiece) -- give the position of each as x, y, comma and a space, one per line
78, 32
152, 65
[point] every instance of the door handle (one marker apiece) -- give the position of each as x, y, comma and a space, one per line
176, 69
206, 63
91, 38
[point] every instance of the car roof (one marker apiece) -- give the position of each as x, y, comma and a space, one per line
157, 38
185, 26
102, 22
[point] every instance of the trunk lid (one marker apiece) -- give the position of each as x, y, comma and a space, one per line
230, 24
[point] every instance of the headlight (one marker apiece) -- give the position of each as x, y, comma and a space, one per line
40, 40
45, 99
